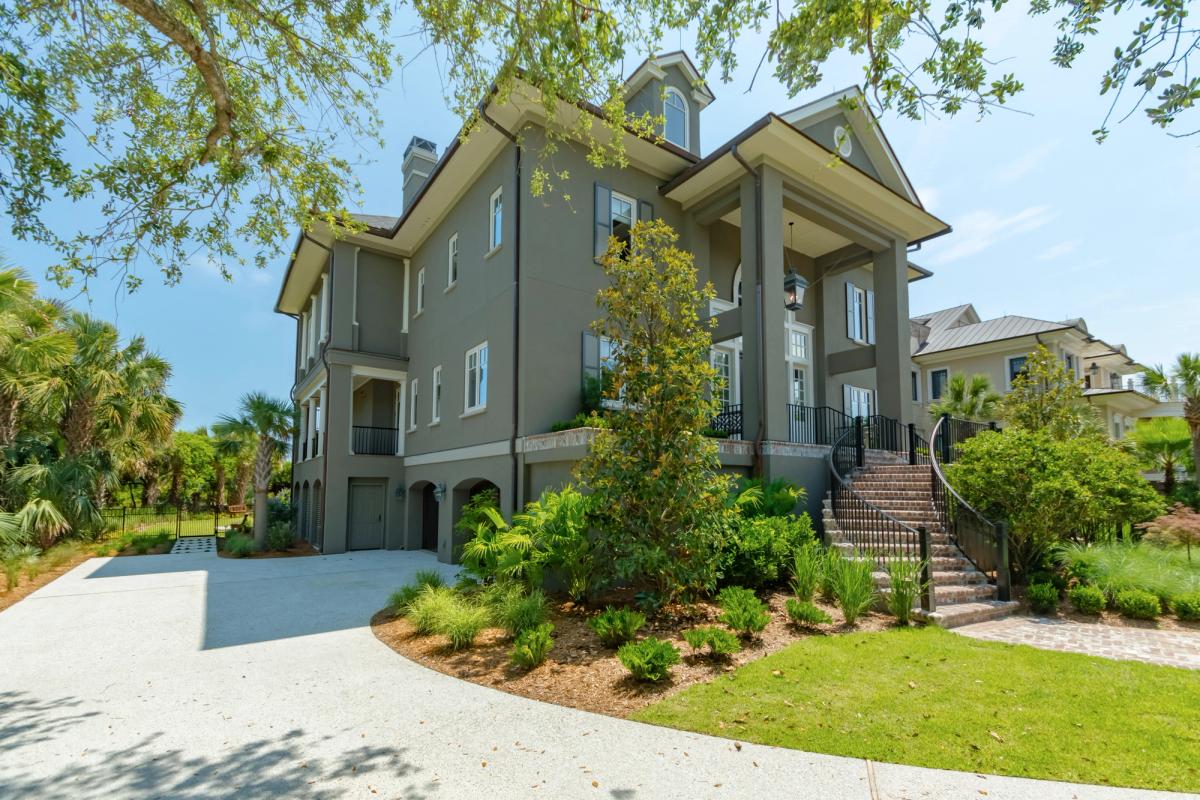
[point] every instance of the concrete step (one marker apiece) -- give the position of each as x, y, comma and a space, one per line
951, 578
938, 550
953, 615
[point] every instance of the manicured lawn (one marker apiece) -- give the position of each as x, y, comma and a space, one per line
935, 699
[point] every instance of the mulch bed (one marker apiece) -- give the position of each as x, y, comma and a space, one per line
581, 673
27, 587
296, 550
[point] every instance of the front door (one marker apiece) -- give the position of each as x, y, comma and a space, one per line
429, 519
366, 516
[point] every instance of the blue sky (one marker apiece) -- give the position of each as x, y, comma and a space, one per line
1046, 222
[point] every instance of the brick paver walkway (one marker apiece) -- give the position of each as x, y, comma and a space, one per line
1174, 648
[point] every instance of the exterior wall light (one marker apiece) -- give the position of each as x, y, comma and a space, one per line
793, 290
439, 491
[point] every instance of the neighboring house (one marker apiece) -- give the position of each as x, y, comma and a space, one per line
956, 340
435, 350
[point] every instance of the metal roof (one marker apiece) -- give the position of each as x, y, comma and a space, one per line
991, 330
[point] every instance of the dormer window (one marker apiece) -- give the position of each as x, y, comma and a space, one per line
675, 118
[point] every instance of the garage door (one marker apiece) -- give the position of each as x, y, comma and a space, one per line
366, 515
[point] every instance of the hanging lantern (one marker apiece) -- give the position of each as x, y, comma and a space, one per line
794, 283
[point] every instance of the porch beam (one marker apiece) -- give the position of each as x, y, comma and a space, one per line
843, 259
835, 217
729, 325
715, 209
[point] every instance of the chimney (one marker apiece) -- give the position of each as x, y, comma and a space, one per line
419, 159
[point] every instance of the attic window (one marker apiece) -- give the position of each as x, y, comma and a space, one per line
842, 141
675, 118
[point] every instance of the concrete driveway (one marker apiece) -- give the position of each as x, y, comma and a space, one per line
195, 676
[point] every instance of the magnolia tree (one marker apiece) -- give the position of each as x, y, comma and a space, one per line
656, 476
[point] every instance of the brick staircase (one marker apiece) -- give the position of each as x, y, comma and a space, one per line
962, 593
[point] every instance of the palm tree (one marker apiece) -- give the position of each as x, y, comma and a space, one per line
973, 400
1181, 384
233, 445
32, 351
1163, 443
269, 422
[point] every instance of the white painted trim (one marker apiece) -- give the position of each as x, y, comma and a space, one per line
451, 254
378, 372
487, 450
1008, 368
687, 113
478, 407
435, 396
420, 292
414, 396
325, 303
494, 239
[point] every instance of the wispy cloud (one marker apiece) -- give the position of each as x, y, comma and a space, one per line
1023, 164
978, 230
930, 197
1058, 250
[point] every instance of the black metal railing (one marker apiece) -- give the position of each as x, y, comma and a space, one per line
872, 531
729, 421
822, 425
370, 441
303, 450
315, 447
983, 542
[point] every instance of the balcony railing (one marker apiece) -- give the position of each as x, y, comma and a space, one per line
729, 421
808, 425
369, 441
315, 447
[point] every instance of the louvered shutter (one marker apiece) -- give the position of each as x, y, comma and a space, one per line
870, 318
603, 217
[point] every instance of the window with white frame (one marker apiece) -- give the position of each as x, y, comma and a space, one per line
722, 361
858, 401
860, 314
1016, 365
475, 373
622, 210
797, 344
798, 390
675, 117
798, 356
609, 350
435, 412
938, 379
496, 219
1069, 362
412, 405
420, 290
452, 261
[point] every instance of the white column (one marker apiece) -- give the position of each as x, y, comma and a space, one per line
308, 426
314, 319
325, 306
324, 422
304, 340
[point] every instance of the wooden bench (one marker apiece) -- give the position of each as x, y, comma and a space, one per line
239, 508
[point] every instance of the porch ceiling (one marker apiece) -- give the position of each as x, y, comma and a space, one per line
810, 238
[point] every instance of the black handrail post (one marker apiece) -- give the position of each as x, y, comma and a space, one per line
1003, 580
928, 598
945, 438
912, 444
859, 455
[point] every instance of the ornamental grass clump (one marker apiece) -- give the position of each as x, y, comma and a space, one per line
239, 545
615, 626
1086, 599
1136, 604
719, 641
430, 607
403, 597
649, 660
461, 622
13, 560
808, 567
853, 586
805, 614
518, 612
742, 611
904, 587
532, 646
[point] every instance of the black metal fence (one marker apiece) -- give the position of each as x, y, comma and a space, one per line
176, 521
370, 441
821, 425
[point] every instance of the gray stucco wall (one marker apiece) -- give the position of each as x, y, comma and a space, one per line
649, 99
823, 133
377, 304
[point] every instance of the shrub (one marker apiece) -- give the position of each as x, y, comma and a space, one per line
650, 659
1136, 604
1086, 599
1113, 567
719, 641
584, 419
13, 560
808, 566
805, 613
754, 498
1043, 597
556, 528
145, 542
279, 510
279, 536
532, 646
905, 585
615, 626
432, 605
239, 545
402, 598
832, 564
518, 612
1187, 606
742, 610
760, 549
461, 622
853, 586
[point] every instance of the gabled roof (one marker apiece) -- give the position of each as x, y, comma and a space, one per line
653, 68
853, 104
987, 331
948, 318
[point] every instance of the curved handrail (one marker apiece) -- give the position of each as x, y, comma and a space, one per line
845, 483
941, 476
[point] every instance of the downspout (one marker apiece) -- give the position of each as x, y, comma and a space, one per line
328, 394
516, 372
760, 333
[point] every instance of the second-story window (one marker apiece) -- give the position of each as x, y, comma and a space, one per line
475, 373
496, 219
435, 414
452, 261
622, 218
860, 314
412, 405
420, 290
675, 118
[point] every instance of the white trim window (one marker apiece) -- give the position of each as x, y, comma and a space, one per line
1014, 366
475, 372
452, 261
858, 402
860, 314
496, 219
799, 359
722, 361
609, 350
798, 384
420, 290
412, 404
675, 117
939, 379
622, 215
435, 411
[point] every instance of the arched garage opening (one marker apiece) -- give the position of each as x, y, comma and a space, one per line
422, 517
463, 493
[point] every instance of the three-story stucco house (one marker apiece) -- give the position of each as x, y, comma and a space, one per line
436, 350
956, 340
